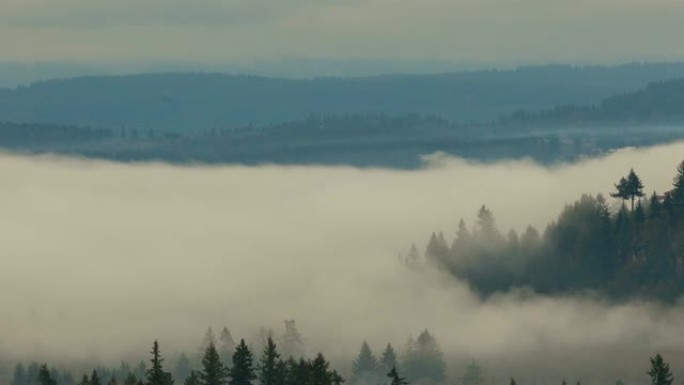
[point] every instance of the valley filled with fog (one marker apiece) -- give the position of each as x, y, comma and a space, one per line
100, 258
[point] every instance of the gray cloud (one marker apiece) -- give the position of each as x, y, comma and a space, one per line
241, 30
99, 259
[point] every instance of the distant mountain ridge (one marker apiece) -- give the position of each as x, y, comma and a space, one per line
194, 102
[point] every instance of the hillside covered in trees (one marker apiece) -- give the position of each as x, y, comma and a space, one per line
636, 252
195, 102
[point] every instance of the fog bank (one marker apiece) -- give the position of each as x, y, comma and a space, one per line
98, 259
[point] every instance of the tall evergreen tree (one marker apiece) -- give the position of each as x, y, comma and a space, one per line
94, 379
621, 190
156, 375
45, 377
388, 359
635, 189
291, 341
213, 371
678, 183
183, 367
19, 375
86, 381
425, 360
660, 371
242, 372
365, 367
226, 346
473, 374
319, 373
268, 369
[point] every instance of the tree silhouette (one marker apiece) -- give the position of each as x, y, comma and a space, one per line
45, 377
242, 372
156, 375
213, 371
660, 371
268, 369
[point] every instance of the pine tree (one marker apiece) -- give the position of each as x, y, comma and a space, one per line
183, 367
19, 376
45, 377
473, 374
86, 381
94, 379
388, 359
655, 207
660, 371
425, 360
213, 371
364, 369
242, 372
394, 377
513, 381
291, 341
319, 373
268, 367
226, 346
678, 184
156, 375
635, 189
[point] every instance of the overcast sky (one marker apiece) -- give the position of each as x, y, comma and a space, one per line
229, 31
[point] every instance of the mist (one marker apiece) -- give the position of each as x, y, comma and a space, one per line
98, 259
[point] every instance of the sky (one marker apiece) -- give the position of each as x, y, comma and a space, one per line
99, 258
244, 31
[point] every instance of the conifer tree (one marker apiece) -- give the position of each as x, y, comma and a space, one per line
183, 367
389, 358
156, 375
621, 190
268, 369
45, 377
291, 341
678, 184
19, 376
513, 381
635, 189
365, 367
318, 371
94, 379
226, 346
242, 372
86, 381
213, 371
660, 371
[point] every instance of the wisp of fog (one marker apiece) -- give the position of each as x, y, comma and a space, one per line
98, 259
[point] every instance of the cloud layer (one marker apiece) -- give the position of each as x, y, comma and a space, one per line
240, 30
98, 259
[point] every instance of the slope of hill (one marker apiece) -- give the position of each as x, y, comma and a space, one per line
183, 102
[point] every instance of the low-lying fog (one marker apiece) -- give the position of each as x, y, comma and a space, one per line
98, 259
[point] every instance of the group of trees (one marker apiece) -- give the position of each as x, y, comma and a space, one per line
422, 361
635, 251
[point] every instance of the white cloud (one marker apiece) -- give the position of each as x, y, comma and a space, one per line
98, 259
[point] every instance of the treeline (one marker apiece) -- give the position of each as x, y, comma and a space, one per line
272, 360
660, 102
637, 251
359, 140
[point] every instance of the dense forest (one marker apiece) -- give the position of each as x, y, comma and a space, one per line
642, 118
279, 361
194, 102
636, 252
272, 360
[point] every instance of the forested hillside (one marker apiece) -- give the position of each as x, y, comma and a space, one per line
193, 102
636, 252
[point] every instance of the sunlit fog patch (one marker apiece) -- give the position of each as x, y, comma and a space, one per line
100, 258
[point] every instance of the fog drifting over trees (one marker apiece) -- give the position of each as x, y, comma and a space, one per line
98, 258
